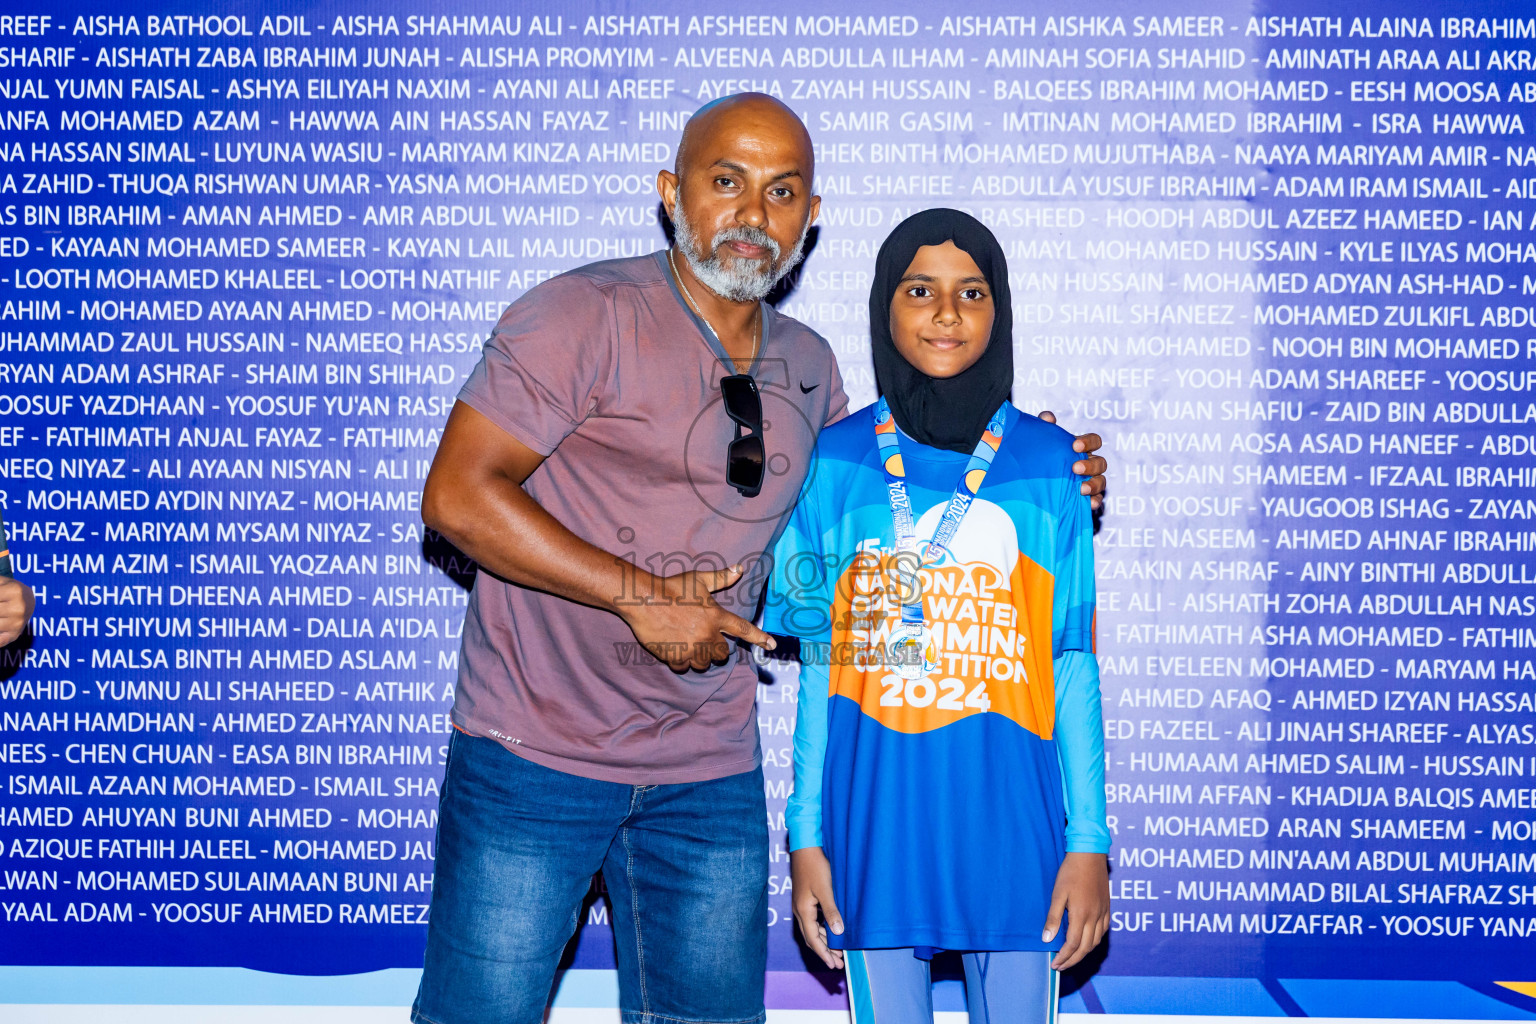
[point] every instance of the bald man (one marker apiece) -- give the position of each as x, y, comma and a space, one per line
617, 464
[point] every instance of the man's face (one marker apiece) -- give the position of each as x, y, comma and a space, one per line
742, 203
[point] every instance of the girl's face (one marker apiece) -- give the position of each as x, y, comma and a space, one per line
941, 314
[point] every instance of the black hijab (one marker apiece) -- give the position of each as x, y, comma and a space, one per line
952, 412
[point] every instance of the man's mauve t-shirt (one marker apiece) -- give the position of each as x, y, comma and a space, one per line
606, 372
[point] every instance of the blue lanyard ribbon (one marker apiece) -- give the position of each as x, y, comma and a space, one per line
887, 437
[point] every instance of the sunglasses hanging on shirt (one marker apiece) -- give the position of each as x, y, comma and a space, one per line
745, 456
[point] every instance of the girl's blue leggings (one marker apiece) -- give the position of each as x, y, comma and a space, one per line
892, 986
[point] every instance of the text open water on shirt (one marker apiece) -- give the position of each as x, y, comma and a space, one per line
981, 601
790, 424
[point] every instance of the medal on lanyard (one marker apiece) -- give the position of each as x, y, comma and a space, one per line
910, 652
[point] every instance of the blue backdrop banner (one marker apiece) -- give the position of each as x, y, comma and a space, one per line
1277, 254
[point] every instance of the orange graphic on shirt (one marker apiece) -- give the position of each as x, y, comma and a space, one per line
991, 641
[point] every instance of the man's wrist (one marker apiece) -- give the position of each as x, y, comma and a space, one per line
636, 589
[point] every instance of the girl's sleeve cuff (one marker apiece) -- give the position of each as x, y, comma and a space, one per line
1087, 844
803, 833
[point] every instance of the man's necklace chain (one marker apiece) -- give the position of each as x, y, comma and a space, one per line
758, 312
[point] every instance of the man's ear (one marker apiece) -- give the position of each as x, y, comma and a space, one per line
666, 188
815, 209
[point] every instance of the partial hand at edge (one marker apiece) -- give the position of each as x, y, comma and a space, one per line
16, 604
1092, 467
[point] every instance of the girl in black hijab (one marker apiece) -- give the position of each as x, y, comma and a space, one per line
950, 412
949, 751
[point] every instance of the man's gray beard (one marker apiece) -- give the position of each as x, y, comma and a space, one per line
738, 279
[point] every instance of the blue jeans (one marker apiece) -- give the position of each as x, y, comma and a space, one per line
517, 845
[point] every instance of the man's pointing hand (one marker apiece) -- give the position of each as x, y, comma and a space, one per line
681, 624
